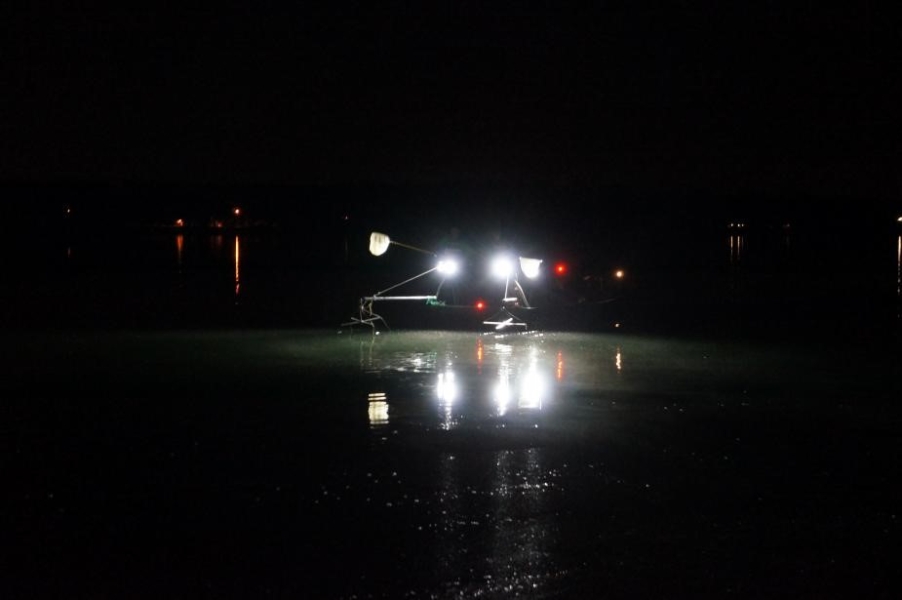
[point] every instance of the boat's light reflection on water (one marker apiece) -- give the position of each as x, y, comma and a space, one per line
465, 378
480, 400
523, 383
446, 391
378, 409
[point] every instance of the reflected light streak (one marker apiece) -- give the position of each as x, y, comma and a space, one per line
446, 392
736, 243
366, 356
899, 277
237, 265
179, 247
618, 359
446, 389
502, 395
899, 266
559, 366
533, 389
502, 391
378, 409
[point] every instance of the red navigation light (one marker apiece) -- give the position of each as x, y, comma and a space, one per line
480, 305
560, 269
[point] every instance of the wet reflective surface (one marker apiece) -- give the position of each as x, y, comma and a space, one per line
428, 464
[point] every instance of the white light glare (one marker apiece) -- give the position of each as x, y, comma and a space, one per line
502, 394
446, 388
448, 266
533, 389
502, 267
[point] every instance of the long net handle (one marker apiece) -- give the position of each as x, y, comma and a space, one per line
405, 281
412, 248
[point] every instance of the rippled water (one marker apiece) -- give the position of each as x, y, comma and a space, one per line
443, 465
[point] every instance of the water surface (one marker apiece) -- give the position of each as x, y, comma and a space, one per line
439, 464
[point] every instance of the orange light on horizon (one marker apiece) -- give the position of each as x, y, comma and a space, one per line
619, 273
179, 223
560, 268
237, 211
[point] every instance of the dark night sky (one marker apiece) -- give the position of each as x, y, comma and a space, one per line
771, 98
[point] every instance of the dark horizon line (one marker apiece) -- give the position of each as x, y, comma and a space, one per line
35, 201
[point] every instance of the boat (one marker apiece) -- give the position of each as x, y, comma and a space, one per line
515, 294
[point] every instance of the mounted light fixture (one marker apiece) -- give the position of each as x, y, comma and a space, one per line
502, 267
448, 266
379, 244
530, 266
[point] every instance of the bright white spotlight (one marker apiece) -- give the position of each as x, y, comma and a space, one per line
448, 266
530, 266
502, 267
